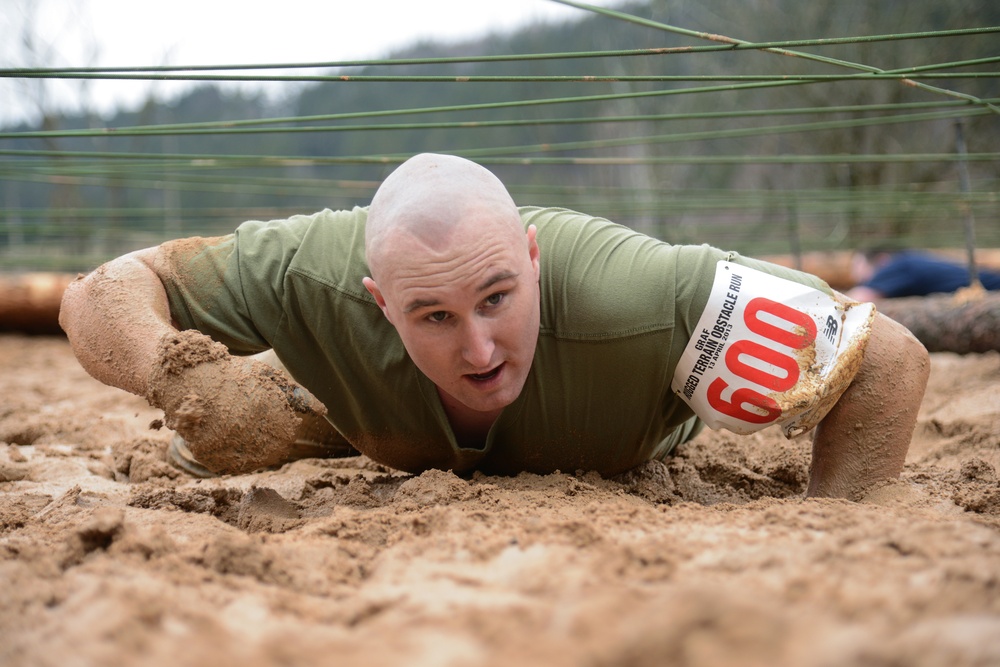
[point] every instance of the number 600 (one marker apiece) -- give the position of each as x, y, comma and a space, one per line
800, 334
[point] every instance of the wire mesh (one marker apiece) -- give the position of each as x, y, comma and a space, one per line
775, 148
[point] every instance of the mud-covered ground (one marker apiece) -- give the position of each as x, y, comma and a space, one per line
110, 556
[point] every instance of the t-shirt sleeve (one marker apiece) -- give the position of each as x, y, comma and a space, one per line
231, 288
772, 346
695, 271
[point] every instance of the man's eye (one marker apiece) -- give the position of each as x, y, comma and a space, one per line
495, 299
438, 316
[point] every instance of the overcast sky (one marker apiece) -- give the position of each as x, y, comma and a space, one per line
211, 32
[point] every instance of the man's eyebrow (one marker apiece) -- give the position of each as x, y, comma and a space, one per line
417, 304
500, 276
496, 278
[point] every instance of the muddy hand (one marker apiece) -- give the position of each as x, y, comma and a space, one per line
298, 397
236, 414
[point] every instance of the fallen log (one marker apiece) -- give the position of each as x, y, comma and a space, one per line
833, 267
949, 322
29, 302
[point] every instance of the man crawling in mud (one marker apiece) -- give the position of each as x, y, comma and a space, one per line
445, 327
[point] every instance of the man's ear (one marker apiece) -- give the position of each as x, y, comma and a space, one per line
377, 295
533, 252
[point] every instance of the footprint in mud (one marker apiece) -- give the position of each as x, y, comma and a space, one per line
977, 489
222, 503
264, 510
259, 509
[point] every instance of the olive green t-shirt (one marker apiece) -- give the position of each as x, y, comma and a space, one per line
617, 309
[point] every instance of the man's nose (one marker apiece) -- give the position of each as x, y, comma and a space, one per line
477, 344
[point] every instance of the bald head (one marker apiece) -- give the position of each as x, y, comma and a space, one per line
432, 198
456, 273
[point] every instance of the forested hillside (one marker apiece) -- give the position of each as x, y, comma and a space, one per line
800, 146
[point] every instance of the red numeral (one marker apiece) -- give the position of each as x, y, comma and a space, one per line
758, 375
792, 339
800, 333
734, 406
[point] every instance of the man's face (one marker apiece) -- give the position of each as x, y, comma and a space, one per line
467, 311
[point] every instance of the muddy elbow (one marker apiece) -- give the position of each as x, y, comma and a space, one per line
69, 306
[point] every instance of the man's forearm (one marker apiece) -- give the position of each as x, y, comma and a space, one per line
114, 318
865, 437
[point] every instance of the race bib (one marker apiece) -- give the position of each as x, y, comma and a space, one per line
770, 351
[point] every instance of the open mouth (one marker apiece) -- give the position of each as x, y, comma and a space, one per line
488, 375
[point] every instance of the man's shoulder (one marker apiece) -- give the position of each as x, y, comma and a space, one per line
325, 247
300, 224
558, 217
568, 235
600, 280
315, 233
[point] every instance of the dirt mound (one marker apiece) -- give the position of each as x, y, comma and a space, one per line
110, 556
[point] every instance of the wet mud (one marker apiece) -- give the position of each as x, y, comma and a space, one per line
108, 555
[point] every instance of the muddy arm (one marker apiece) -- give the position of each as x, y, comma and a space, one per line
236, 414
114, 318
864, 438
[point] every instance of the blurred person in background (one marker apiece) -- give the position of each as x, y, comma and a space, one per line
883, 273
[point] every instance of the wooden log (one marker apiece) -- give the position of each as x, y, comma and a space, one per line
29, 302
833, 267
949, 322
